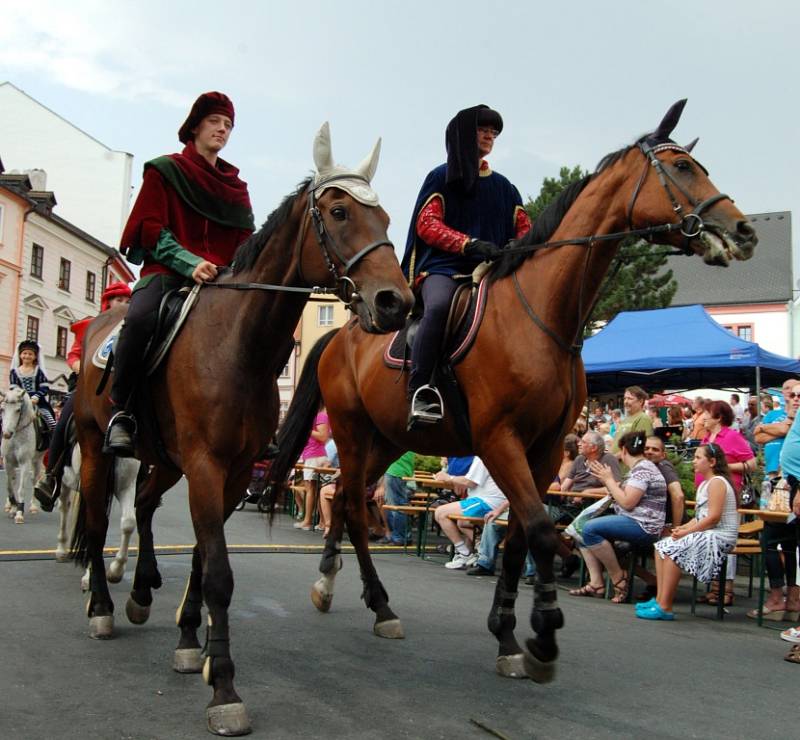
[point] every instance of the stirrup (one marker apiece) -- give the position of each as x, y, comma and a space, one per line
47, 496
426, 407
119, 437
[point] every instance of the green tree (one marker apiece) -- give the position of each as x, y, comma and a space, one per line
639, 282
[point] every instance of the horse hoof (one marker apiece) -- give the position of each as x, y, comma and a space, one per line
228, 720
321, 600
101, 628
19, 518
114, 574
85, 584
187, 660
537, 670
511, 666
33, 509
136, 613
62, 556
391, 629
7, 507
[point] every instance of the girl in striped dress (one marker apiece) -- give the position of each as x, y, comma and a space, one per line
700, 546
28, 373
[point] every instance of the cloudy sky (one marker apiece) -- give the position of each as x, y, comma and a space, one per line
573, 81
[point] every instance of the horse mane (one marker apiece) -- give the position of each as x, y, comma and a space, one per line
250, 249
551, 217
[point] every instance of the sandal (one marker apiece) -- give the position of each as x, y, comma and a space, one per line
620, 591
588, 590
713, 599
793, 656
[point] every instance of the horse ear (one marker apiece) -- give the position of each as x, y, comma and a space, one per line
370, 163
670, 120
323, 155
691, 144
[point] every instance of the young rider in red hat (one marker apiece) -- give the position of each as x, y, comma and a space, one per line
191, 214
47, 489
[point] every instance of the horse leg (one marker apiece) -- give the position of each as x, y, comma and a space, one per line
94, 484
36, 472
331, 562
510, 469
187, 657
502, 619
387, 623
125, 491
146, 577
225, 713
63, 521
23, 475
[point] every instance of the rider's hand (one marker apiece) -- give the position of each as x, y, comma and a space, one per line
204, 272
485, 250
35, 400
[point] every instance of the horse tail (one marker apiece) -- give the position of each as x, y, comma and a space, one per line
79, 545
294, 432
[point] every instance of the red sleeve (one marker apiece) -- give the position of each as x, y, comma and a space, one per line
74, 352
432, 229
150, 213
522, 223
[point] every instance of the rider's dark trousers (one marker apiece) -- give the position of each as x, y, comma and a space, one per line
58, 441
140, 324
437, 292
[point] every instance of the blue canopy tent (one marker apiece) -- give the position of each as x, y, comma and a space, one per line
681, 347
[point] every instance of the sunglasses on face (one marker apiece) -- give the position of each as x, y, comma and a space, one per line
794, 395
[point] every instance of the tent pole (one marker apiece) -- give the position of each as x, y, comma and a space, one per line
758, 391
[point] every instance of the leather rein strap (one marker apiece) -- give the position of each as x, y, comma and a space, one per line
346, 289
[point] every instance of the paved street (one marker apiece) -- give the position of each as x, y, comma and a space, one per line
306, 674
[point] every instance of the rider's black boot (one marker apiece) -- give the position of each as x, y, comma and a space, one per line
272, 451
46, 491
121, 434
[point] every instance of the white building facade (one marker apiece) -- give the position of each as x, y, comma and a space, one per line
92, 181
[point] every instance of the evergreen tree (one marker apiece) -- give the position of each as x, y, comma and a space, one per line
637, 284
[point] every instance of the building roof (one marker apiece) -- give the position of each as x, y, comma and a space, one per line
765, 278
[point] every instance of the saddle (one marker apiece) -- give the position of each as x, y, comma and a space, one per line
175, 307
41, 431
463, 321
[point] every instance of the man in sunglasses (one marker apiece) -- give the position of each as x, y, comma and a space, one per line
774, 427
655, 452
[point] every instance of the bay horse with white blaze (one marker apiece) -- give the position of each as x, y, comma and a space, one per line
523, 377
215, 398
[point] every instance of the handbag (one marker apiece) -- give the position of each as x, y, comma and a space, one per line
748, 494
575, 528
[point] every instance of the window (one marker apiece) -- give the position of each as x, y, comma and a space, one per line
91, 281
325, 316
284, 410
104, 277
37, 261
61, 341
285, 371
743, 331
32, 329
63, 274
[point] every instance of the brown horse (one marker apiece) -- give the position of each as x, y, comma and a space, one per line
523, 377
214, 400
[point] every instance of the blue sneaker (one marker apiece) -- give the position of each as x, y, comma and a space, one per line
655, 612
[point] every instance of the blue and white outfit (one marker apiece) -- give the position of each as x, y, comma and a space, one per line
37, 386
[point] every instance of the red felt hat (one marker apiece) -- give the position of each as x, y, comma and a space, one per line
114, 290
205, 105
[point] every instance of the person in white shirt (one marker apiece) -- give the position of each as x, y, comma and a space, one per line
484, 497
738, 412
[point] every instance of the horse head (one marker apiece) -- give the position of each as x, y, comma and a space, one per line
349, 227
15, 404
674, 184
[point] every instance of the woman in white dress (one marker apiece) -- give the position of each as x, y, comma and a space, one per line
699, 546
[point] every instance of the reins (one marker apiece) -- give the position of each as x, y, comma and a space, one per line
346, 290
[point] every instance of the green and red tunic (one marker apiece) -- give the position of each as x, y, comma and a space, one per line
187, 211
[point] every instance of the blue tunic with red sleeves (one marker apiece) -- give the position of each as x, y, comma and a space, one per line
487, 213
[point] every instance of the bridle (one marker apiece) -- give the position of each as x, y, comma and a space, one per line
345, 289
691, 224
17, 428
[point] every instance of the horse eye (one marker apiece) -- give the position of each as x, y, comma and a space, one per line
684, 165
339, 213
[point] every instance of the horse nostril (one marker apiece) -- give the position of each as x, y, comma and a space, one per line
745, 230
388, 302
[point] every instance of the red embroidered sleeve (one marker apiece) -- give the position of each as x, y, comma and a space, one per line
522, 222
434, 231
